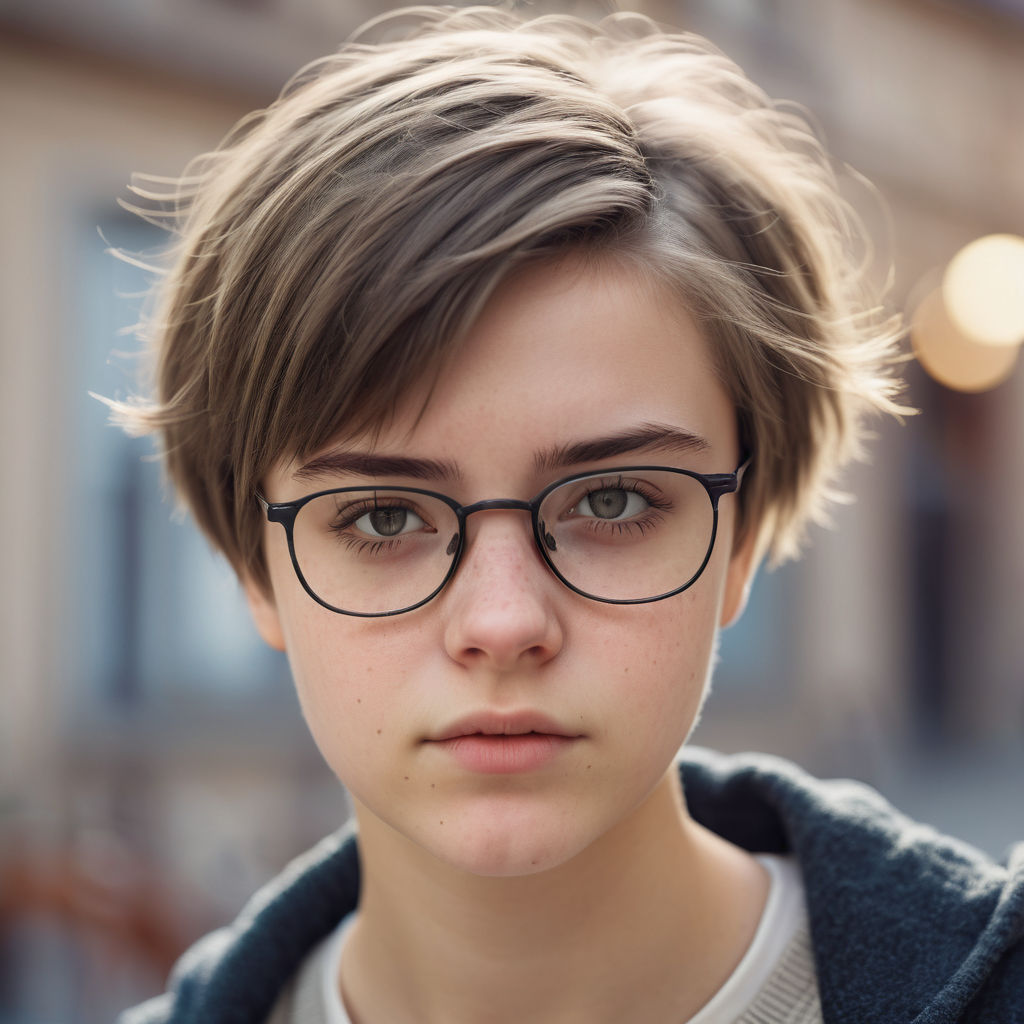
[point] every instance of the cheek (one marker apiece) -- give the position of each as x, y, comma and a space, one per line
682, 669
348, 688
663, 666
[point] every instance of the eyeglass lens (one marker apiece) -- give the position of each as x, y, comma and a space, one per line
617, 537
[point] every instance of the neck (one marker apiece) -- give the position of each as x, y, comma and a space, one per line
645, 925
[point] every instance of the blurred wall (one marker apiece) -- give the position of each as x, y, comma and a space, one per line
74, 130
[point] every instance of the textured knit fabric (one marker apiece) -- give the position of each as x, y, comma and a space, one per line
775, 982
790, 995
907, 926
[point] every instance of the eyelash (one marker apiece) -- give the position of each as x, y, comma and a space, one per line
347, 516
368, 547
633, 487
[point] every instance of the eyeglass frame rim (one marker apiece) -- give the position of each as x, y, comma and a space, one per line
715, 484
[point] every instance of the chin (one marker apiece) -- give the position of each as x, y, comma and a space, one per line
508, 845
502, 859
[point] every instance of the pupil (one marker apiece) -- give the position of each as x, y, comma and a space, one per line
388, 521
609, 503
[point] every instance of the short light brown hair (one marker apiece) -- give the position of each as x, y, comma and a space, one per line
333, 251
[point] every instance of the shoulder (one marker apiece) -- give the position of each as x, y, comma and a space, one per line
302, 999
242, 972
902, 917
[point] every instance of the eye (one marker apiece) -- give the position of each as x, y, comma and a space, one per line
612, 503
389, 521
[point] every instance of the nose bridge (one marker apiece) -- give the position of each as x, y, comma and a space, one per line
500, 612
497, 505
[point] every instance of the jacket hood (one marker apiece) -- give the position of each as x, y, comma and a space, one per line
907, 924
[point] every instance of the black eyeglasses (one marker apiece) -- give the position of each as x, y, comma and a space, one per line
626, 535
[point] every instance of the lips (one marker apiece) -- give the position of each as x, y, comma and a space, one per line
504, 744
491, 723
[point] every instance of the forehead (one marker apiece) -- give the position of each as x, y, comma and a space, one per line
563, 353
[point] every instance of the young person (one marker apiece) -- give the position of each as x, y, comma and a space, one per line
495, 356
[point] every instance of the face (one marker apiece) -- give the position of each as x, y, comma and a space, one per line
400, 706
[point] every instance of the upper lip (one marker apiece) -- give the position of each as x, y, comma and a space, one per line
496, 723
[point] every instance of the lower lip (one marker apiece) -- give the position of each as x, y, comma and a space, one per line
506, 755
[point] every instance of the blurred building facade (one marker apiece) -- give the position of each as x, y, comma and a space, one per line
152, 752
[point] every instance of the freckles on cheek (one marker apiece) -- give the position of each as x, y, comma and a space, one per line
666, 672
353, 685
339, 700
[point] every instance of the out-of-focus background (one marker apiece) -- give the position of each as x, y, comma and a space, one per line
154, 768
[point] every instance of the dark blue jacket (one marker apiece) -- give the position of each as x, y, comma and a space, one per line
907, 925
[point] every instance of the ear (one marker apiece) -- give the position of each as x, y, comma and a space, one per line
264, 612
739, 577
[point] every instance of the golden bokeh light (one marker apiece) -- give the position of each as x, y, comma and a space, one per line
983, 288
953, 359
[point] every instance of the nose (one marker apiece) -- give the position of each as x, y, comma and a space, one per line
501, 606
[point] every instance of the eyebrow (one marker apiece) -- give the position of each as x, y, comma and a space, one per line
648, 437
339, 462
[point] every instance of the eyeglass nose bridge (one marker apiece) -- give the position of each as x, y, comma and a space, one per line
540, 534
492, 504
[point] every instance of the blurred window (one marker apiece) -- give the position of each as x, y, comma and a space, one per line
154, 615
759, 651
